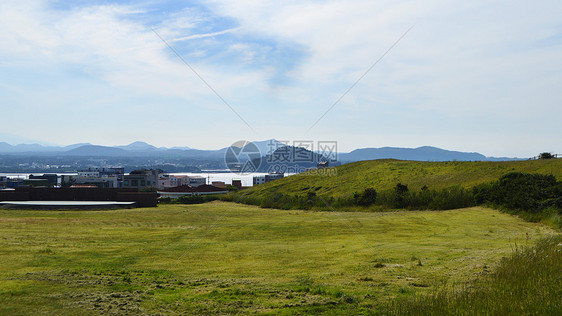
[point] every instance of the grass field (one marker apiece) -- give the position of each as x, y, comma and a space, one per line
385, 174
228, 258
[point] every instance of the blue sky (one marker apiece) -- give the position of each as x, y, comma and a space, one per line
473, 76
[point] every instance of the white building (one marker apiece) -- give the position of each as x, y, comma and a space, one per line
274, 176
102, 177
268, 177
259, 180
102, 182
171, 181
88, 174
196, 181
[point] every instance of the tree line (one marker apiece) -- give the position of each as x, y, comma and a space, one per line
535, 197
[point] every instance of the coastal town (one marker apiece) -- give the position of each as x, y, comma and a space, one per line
155, 180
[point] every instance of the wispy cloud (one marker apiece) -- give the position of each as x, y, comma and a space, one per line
493, 67
199, 36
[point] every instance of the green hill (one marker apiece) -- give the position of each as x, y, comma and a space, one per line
344, 180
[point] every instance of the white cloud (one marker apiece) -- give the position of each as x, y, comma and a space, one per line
462, 62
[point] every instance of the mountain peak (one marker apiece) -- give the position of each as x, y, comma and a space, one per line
138, 145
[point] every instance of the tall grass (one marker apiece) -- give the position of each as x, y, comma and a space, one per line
526, 283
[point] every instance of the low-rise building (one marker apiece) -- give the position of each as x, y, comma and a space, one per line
237, 183
101, 177
268, 177
219, 184
141, 179
52, 179
10, 183
164, 181
171, 181
196, 181
88, 174
100, 182
274, 176
14, 183
36, 182
259, 180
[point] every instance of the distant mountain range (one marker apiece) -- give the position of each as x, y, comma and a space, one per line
142, 149
425, 153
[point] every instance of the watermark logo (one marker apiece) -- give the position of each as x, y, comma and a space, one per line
243, 157
300, 155
302, 151
282, 157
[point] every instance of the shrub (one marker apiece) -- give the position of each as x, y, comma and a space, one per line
190, 199
230, 188
534, 197
400, 196
366, 198
521, 192
546, 156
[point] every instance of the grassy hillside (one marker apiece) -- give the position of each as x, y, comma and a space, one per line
231, 258
385, 174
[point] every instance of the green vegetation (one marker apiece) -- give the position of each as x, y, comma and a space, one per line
186, 257
384, 175
390, 184
191, 199
398, 198
229, 258
546, 156
230, 187
522, 191
534, 197
527, 283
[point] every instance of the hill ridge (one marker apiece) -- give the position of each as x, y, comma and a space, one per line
384, 174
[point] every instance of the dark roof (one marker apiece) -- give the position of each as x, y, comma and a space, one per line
189, 188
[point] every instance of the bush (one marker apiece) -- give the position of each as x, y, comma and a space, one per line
400, 197
534, 197
190, 199
231, 188
521, 192
366, 198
